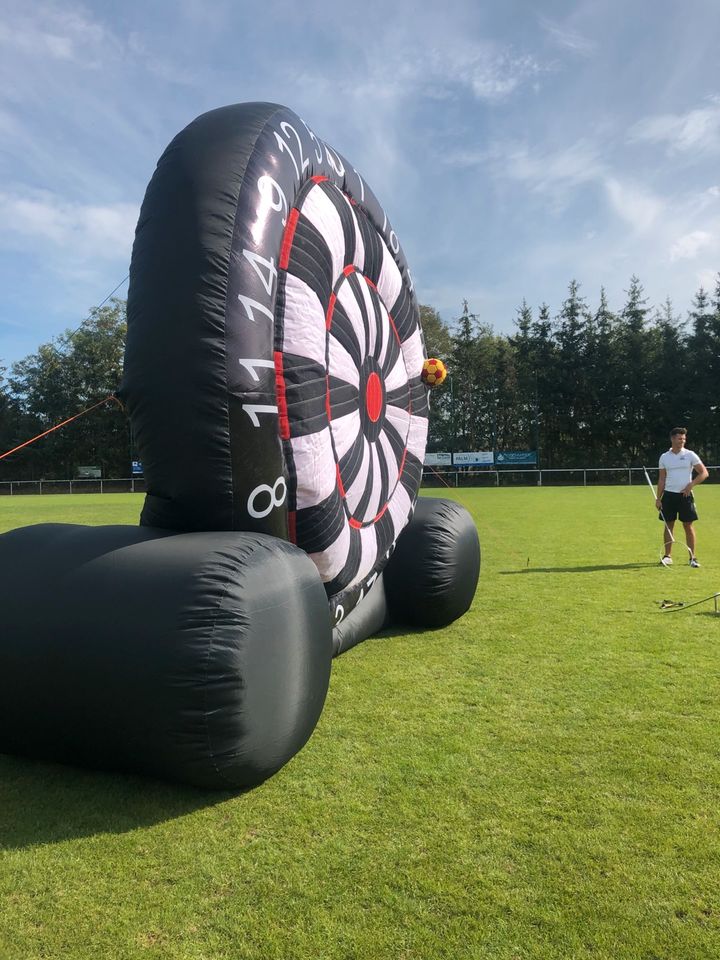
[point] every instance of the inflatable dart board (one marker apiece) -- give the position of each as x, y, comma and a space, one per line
273, 375
274, 353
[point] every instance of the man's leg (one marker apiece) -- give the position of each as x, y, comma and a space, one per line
690, 536
668, 537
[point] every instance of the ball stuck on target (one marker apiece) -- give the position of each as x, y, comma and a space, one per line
434, 372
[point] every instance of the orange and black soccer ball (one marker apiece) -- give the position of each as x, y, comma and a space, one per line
433, 372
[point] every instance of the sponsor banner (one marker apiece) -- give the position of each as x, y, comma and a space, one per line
508, 457
472, 458
137, 468
438, 459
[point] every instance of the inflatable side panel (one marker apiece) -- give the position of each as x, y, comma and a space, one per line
200, 657
432, 576
175, 378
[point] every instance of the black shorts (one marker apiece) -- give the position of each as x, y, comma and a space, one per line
676, 505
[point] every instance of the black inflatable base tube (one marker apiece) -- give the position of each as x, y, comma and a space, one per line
198, 657
429, 581
431, 578
202, 658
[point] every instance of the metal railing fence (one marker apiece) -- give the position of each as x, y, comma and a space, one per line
569, 477
37, 487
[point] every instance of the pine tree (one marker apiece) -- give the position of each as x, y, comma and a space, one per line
572, 375
545, 355
466, 371
603, 386
703, 377
634, 380
668, 387
522, 346
438, 343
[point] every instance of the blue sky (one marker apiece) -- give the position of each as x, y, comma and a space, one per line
514, 145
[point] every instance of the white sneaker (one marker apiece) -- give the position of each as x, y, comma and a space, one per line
693, 562
666, 561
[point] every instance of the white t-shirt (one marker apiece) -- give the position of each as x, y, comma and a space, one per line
679, 468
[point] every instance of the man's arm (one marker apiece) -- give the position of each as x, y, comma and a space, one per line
662, 476
701, 474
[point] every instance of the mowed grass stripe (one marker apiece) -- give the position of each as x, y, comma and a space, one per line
539, 780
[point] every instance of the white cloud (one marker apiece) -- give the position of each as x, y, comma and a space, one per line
690, 245
579, 163
566, 38
543, 171
636, 205
696, 130
496, 76
556, 174
450, 67
65, 35
39, 221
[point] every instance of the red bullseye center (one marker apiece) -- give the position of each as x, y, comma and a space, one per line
373, 397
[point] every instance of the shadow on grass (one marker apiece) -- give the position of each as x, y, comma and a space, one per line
593, 568
47, 803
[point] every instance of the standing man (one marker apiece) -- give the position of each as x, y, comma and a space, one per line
674, 492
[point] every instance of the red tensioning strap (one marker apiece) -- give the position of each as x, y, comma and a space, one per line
58, 425
328, 409
392, 324
439, 476
280, 393
331, 307
402, 463
358, 524
377, 517
288, 238
340, 485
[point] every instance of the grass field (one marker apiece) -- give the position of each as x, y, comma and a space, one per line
539, 780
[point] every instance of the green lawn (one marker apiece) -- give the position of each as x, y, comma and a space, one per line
539, 780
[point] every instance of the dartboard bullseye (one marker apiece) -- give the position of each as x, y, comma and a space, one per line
374, 397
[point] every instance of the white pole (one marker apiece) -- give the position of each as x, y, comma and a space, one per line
650, 484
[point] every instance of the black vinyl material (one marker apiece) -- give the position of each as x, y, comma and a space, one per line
366, 619
176, 376
198, 657
431, 578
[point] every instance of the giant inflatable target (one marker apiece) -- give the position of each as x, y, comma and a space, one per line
272, 309
273, 381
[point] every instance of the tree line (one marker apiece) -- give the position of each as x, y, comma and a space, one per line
76, 370
584, 387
